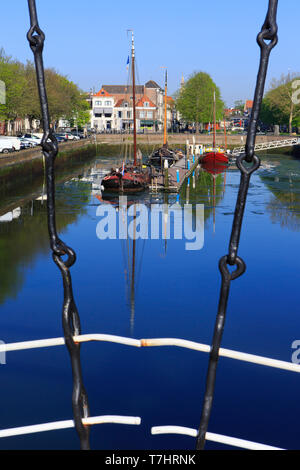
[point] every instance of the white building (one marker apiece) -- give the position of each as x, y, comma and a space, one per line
102, 113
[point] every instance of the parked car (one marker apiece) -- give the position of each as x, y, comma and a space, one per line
12, 143
6, 146
32, 138
25, 144
60, 138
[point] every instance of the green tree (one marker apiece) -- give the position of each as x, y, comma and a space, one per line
195, 100
239, 104
12, 74
278, 107
22, 98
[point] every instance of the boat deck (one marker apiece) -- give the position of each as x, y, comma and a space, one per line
177, 174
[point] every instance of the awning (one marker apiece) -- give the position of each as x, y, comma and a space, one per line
147, 123
103, 110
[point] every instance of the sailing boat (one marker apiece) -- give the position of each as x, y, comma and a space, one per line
130, 177
158, 157
214, 157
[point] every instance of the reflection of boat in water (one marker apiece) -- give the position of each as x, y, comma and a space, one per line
131, 177
214, 168
215, 156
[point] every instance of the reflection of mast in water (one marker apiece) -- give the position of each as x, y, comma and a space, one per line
214, 202
130, 254
165, 223
215, 170
132, 287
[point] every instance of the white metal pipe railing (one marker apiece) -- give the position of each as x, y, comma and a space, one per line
56, 425
231, 441
252, 358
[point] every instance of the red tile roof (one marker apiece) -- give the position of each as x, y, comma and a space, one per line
102, 92
141, 102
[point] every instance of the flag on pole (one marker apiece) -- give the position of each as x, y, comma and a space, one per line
127, 64
123, 168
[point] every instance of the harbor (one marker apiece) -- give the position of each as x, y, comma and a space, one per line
149, 220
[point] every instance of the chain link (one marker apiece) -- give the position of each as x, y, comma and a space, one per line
268, 33
70, 317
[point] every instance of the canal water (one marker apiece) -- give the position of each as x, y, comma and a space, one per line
153, 288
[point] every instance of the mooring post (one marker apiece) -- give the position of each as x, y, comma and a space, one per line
166, 173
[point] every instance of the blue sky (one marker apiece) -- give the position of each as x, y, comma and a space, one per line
87, 41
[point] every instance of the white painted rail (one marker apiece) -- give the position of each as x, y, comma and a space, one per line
269, 145
151, 342
56, 425
210, 436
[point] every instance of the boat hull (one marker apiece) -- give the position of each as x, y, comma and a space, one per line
132, 180
214, 158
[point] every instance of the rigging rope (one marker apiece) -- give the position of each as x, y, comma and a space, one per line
71, 321
267, 33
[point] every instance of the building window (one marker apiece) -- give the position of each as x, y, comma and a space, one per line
98, 115
150, 114
107, 103
119, 114
142, 114
146, 104
125, 105
98, 103
128, 114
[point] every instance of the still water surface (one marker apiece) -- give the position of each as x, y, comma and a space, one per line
175, 294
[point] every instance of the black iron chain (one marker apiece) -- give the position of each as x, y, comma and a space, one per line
71, 321
266, 39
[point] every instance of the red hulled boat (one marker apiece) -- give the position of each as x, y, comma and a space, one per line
215, 157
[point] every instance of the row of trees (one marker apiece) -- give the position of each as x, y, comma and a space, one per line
281, 104
22, 100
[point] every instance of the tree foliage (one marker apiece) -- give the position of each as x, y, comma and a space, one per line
278, 107
195, 99
22, 99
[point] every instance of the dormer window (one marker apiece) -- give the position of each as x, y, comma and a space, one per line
146, 104
125, 105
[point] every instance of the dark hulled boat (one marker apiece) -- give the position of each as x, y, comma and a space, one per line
130, 177
159, 156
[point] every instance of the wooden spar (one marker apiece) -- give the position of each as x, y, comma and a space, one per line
214, 141
165, 123
225, 135
133, 98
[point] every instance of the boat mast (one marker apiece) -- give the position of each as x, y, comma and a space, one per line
225, 134
214, 142
133, 95
165, 120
